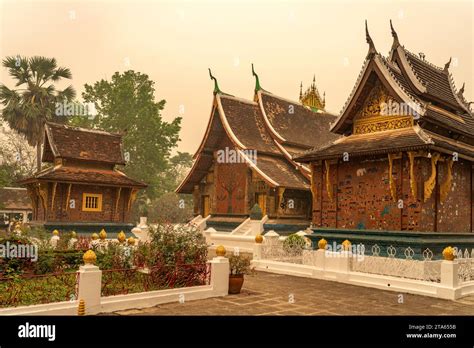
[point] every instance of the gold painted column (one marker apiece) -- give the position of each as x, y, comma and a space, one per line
431, 182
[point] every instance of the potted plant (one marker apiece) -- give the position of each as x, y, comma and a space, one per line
239, 265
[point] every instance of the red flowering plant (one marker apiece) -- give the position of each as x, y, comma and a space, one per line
10, 264
178, 244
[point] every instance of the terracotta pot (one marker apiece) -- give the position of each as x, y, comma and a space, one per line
235, 283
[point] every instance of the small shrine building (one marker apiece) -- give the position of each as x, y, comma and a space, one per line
82, 189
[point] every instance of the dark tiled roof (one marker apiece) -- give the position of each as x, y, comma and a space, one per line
395, 71
14, 198
248, 125
435, 80
406, 139
303, 126
460, 123
82, 144
450, 145
281, 171
367, 144
85, 176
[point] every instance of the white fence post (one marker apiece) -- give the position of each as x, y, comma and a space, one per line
257, 251
320, 258
90, 283
257, 247
220, 275
449, 273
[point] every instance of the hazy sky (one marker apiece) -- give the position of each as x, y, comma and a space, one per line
174, 42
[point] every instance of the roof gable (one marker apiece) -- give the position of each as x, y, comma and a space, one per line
376, 70
242, 123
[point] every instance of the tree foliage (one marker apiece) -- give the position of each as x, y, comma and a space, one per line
126, 104
27, 108
17, 158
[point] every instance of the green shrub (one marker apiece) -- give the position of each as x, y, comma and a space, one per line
177, 244
256, 212
294, 243
239, 264
14, 265
114, 256
46, 263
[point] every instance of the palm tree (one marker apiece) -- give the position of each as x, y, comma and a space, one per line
28, 108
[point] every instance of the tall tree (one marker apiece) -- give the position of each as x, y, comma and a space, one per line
27, 108
126, 104
17, 158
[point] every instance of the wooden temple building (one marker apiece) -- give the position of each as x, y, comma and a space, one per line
82, 189
264, 135
405, 158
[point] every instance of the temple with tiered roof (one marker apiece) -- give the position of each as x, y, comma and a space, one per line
405, 158
274, 130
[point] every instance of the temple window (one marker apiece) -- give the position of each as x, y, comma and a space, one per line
91, 202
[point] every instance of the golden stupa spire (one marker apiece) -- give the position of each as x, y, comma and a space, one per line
311, 97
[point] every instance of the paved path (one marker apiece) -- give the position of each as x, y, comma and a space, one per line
274, 294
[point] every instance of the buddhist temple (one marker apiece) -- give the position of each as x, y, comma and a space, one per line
82, 189
404, 161
263, 135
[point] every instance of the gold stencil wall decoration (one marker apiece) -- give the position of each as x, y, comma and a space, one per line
392, 185
446, 185
380, 112
33, 197
413, 187
43, 193
328, 180
53, 195
133, 196
117, 199
382, 123
431, 182
69, 186
314, 190
281, 192
372, 106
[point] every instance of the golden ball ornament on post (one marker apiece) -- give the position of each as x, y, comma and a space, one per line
121, 237
449, 254
220, 250
322, 244
89, 257
102, 234
346, 245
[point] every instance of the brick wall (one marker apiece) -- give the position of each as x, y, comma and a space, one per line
362, 198
108, 213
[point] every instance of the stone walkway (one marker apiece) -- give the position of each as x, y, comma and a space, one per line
273, 294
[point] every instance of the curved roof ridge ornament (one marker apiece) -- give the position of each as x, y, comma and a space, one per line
257, 80
216, 85
461, 91
396, 43
369, 40
446, 66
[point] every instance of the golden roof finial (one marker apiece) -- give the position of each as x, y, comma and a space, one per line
311, 97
